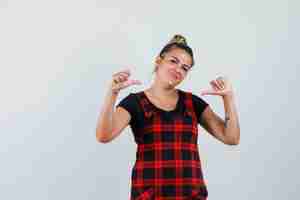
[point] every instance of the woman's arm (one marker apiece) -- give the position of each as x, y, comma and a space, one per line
227, 130
111, 122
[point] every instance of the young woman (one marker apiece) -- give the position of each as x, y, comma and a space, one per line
164, 121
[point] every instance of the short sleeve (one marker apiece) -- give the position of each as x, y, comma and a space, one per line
199, 106
129, 103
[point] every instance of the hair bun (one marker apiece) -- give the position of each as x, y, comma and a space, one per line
179, 39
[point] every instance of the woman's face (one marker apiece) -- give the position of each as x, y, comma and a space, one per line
173, 67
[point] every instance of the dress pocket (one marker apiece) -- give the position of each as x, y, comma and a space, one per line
147, 194
199, 193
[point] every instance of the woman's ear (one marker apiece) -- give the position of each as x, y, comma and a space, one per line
158, 60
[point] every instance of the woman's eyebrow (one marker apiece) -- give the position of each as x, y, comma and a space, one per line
183, 64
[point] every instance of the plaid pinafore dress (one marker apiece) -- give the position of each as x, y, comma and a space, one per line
167, 165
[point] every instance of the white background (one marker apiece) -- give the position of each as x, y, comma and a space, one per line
57, 58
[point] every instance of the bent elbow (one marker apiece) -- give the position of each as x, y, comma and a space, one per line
233, 138
233, 141
102, 139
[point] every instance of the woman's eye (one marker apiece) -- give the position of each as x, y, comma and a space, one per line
173, 61
185, 69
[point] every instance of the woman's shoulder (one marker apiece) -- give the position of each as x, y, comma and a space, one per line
197, 99
131, 99
188, 93
128, 100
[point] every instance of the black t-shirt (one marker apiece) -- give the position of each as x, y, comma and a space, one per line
130, 103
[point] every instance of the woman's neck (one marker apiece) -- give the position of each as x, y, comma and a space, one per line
158, 90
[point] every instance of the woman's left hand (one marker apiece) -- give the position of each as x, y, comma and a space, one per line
220, 86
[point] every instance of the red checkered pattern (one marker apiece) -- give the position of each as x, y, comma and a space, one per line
167, 163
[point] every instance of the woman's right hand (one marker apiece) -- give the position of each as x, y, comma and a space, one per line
120, 80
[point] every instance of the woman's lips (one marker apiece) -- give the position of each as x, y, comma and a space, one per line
175, 75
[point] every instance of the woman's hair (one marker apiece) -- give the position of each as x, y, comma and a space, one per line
178, 41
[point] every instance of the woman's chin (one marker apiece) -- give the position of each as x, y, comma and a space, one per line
172, 83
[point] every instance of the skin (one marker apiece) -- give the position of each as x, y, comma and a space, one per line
171, 70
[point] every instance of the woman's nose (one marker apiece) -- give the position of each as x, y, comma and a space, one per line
178, 72
178, 69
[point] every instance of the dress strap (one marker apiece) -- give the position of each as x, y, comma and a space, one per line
189, 107
145, 105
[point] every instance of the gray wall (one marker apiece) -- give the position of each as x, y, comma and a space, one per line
57, 58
